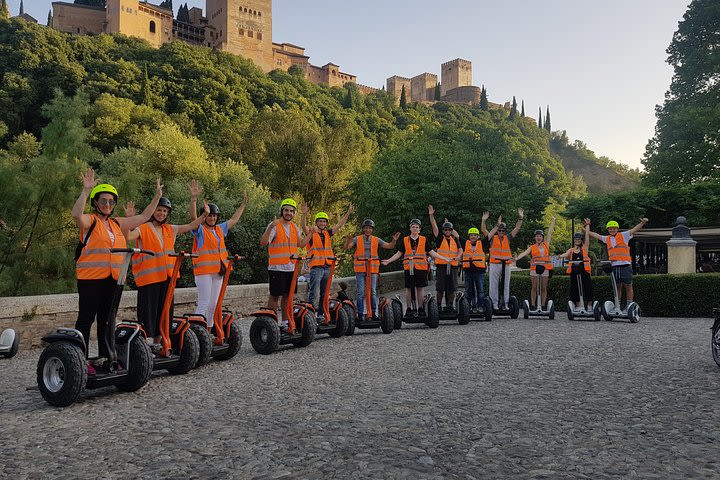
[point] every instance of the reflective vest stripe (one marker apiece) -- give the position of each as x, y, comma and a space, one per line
537, 259
321, 253
620, 252
477, 257
282, 247
420, 263
586, 260
360, 253
500, 250
149, 269
212, 253
95, 261
447, 248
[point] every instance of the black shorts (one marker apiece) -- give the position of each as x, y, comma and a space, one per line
280, 283
443, 281
418, 280
623, 274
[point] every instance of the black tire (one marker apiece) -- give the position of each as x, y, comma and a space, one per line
551, 315
488, 309
514, 307
387, 320
141, 365
188, 355
525, 309
341, 324
463, 311
13, 348
715, 344
604, 312
350, 312
397, 313
265, 335
634, 313
308, 332
234, 341
433, 314
597, 312
205, 342
570, 312
61, 373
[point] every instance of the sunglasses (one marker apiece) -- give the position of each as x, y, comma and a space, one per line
105, 201
502, 231
447, 229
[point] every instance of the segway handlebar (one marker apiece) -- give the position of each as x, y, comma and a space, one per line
184, 254
236, 258
132, 250
364, 259
300, 257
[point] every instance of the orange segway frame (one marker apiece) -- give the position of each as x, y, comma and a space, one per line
184, 324
221, 324
368, 286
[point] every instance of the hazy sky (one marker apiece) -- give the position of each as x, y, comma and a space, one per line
600, 65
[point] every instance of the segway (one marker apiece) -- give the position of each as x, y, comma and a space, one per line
460, 309
611, 310
512, 309
576, 313
484, 312
539, 311
368, 321
335, 318
62, 370
179, 347
715, 341
429, 315
223, 340
266, 336
9, 343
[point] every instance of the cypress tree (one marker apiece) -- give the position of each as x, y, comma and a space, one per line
484, 106
403, 98
22, 7
4, 10
145, 89
540, 117
522, 110
437, 91
49, 20
348, 101
547, 119
513, 109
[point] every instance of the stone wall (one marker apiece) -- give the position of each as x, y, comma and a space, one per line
33, 317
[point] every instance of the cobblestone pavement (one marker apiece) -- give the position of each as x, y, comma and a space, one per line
506, 399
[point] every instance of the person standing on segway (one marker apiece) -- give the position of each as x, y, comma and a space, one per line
209, 243
618, 247
448, 247
579, 253
499, 251
539, 255
474, 269
282, 237
98, 269
414, 248
366, 246
152, 273
319, 249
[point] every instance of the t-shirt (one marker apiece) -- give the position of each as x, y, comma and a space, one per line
626, 235
199, 234
287, 267
366, 241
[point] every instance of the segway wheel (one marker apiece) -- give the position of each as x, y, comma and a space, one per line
551, 308
525, 309
387, 322
397, 313
234, 341
141, 364
715, 344
15, 344
309, 329
514, 307
205, 342
341, 324
264, 335
189, 354
633, 312
463, 311
61, 373
350, 312
570, 311
606, 309
488, 308
597, 311
433, 314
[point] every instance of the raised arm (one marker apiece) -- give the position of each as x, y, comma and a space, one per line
347, 245
639, 226
130, 223
84, 220
308, 236
521, 217
550, 231
591, 233
343, 220
431, 212
232, 221
195, 190
265, 239
304, 209
134, 234
391, 245
188, 227
586, 225
523, 254
483, 228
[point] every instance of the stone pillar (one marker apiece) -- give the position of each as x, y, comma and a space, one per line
681, 249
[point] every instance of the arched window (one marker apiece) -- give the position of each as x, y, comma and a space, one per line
152, 26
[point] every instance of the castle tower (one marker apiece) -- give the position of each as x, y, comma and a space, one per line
395, 85
139, 19
243, 27
455, 73
423, 87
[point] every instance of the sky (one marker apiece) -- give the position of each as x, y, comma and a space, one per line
599, 65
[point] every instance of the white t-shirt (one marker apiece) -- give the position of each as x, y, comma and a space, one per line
287, 267
626, 235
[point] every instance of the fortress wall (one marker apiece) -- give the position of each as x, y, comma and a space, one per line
78, 19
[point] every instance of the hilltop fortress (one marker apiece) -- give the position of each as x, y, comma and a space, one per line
244, 27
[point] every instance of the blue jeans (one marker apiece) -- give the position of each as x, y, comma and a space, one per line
360, 281
318, 282
474, 287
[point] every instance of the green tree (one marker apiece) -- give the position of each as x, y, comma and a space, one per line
522, 109
49, 19
547, 119
22, 7
4, 9
540, 125
686, 144
183, 14
513, 109
437, 92
167, 4
484, 105
403, 98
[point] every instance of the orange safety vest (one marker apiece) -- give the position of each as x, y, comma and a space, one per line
537, 259
360, 253
448, 248
95, 261
212, 253
500, 250
471, 255
620, 252
282, 248
320, 252
418, 263
154, 269
586, 260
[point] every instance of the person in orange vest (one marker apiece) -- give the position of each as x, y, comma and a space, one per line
618, 246
474, 267
209, 243
152, 273
415, 249
319, 249
448, 246
539, 255
579, 252
98, 269
367, 245
500, 250
282, 237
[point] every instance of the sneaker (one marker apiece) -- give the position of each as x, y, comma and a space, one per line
155, 348
421, 312
408, 312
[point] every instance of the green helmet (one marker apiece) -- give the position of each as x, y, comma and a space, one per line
473, 231
103, 188
321, 216
612, 223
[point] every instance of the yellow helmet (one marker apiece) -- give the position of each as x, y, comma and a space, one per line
321, 216
288, 202
103, 188
474, 231
612, 223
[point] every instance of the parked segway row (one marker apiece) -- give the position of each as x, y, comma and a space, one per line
9, 343
611, 309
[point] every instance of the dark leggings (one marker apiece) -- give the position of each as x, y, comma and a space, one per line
586, 286
151, 300
95, 301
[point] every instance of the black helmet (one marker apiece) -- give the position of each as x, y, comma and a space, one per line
447, 225
368, 223
539, 232
213, 209
415, 221
578, 235
502, 226
165, 202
